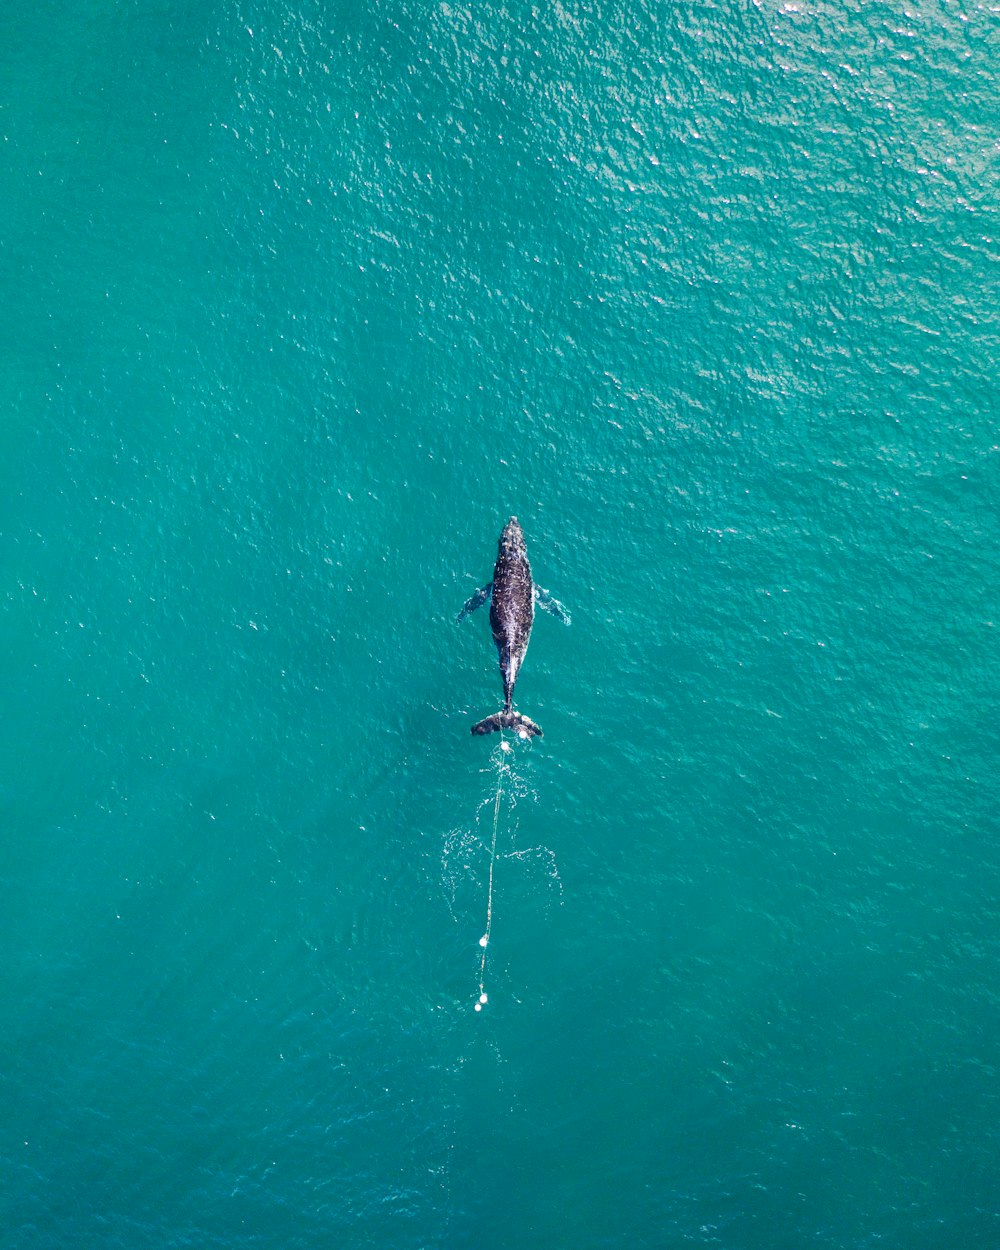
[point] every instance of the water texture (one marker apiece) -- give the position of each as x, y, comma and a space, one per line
301, 301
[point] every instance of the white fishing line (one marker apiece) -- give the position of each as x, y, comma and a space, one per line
463, 848
503, 768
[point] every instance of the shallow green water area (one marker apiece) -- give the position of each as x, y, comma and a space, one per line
301, 302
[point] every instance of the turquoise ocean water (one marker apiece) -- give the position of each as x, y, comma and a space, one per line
300, 302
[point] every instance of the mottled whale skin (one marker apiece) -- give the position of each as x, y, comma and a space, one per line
513, 596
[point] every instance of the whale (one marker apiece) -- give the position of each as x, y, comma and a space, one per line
513, 595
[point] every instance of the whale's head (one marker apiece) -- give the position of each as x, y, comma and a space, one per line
512, 540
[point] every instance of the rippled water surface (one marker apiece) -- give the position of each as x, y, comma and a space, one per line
300, 303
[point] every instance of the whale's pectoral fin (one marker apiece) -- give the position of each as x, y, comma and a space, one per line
477, 601
549, 604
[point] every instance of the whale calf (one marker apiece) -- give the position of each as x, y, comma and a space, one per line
513, 596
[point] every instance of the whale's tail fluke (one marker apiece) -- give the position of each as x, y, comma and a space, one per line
508, 720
